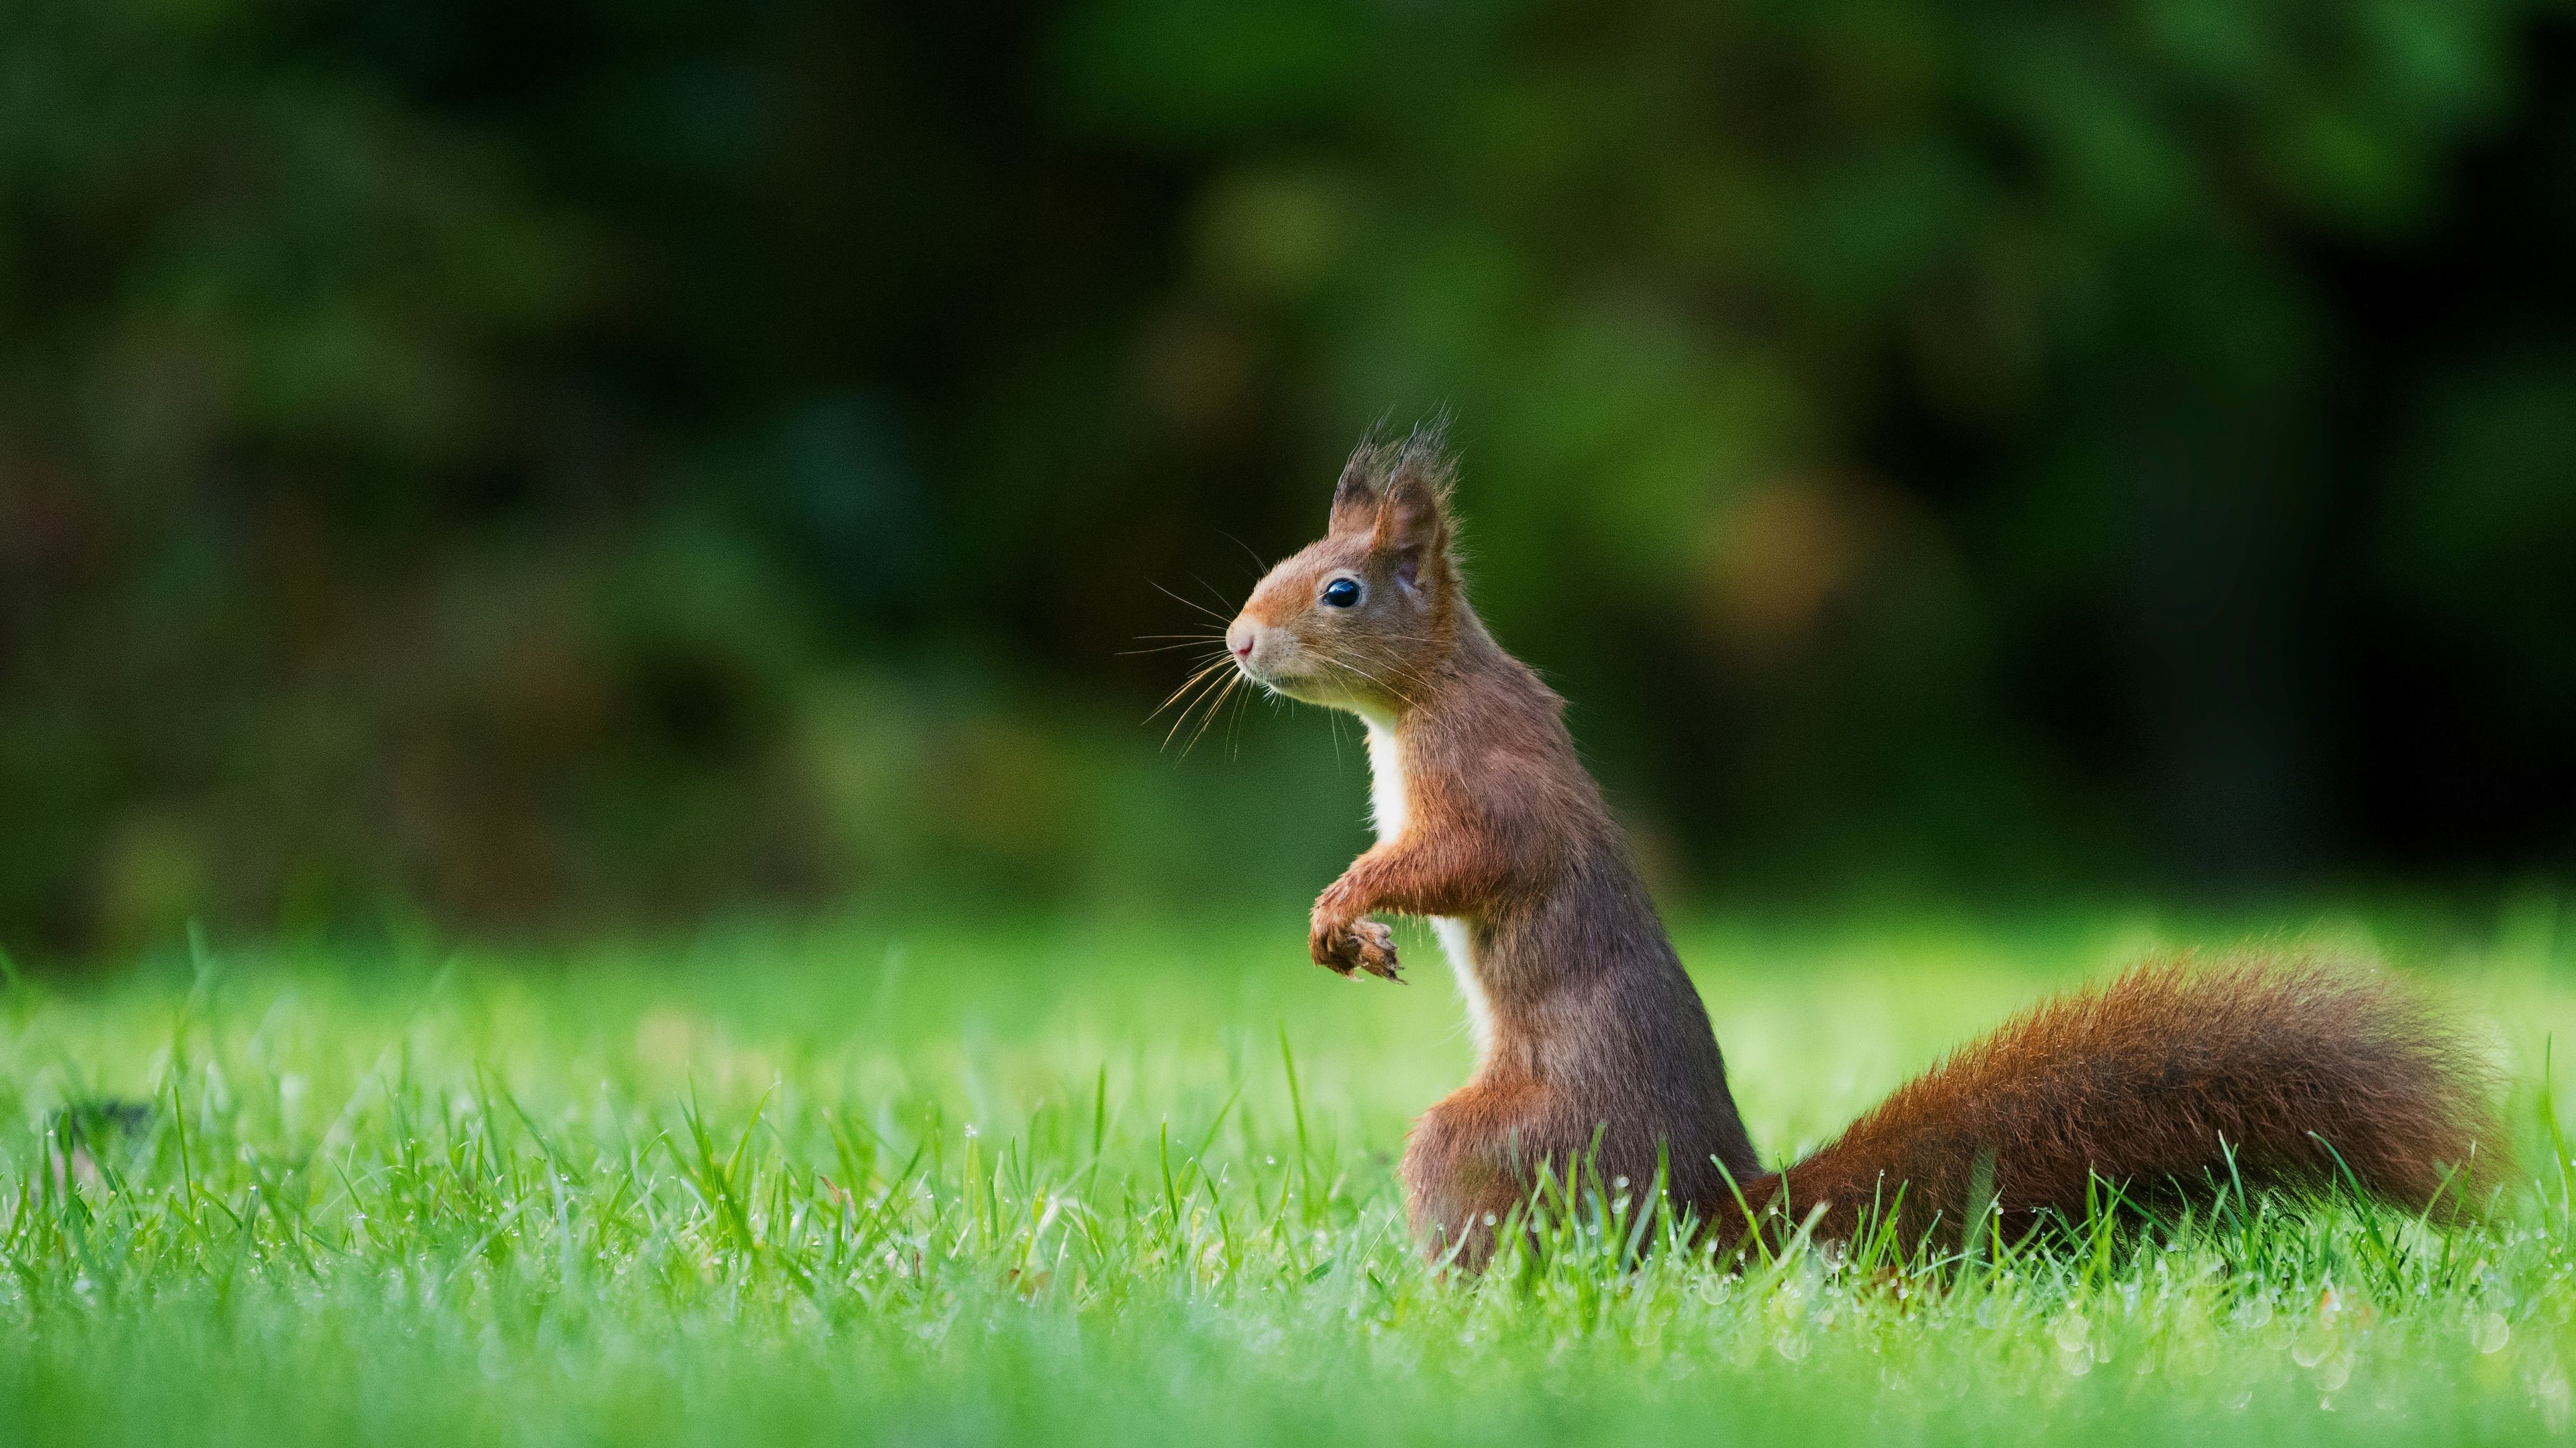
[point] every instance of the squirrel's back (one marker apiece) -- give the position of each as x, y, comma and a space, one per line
2250, 1074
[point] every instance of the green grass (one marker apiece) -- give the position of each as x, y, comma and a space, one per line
1054, 1183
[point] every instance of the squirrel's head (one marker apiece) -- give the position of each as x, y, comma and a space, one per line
1361, 618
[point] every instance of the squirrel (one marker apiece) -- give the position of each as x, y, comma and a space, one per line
1593, 1048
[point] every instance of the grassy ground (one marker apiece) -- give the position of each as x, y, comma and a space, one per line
967, 1184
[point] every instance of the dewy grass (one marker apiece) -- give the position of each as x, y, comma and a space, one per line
1112, 1185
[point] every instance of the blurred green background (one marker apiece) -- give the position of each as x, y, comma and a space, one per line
533, 467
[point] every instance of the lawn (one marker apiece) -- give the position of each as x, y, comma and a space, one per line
1129, 1181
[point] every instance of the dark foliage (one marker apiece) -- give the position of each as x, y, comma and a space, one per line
524, 463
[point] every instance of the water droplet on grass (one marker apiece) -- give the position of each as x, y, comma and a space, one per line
2336, 1372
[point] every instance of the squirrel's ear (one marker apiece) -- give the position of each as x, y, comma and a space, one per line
1412, 524
1355, 498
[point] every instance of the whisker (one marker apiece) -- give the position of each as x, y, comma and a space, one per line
1193, 603
1250, 697
1402, 670
1183, 718
1234, 725
1213, 589
1188, 684
1210, 716
1161, 649
1365, 674
1247, 549
1175, 733
1199, 686
1384, 661
1356, 669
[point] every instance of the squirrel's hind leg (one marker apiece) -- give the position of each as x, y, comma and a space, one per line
1468, 1166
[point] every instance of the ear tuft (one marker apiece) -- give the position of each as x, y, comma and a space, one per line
1355, 497
1413, 505
1398, 494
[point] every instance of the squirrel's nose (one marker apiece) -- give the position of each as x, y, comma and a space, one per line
1240, 636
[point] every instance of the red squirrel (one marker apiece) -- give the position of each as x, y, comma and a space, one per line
1592, 1044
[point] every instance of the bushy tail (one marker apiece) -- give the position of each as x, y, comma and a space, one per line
2307, 1074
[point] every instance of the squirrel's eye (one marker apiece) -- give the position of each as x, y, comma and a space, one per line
1341, 593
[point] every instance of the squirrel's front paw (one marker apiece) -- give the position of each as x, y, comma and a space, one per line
1346, 945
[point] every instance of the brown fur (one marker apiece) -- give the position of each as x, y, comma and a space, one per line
2176, 1079
1596, 1036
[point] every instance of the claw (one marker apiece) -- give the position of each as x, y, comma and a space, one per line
1361, 945
1375, 950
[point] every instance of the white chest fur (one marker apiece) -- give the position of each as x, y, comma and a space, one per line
1391, 809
